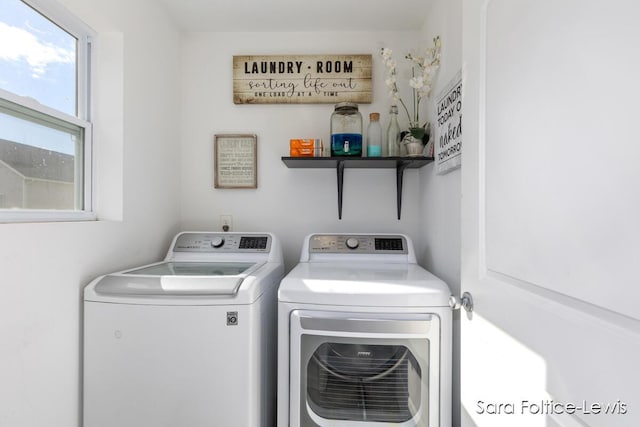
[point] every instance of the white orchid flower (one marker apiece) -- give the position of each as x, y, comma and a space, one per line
416, 82
424, 90
424, 68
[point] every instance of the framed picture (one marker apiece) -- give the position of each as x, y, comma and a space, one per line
235, 161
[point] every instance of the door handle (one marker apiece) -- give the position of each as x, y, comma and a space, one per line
466, 302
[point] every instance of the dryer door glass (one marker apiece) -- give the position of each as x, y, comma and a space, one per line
367, 380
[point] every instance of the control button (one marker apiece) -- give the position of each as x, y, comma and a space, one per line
217, 242
352, 243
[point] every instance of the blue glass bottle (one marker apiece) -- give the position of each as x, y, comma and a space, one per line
374, 137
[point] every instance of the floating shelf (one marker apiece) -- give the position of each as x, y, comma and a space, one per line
340, 163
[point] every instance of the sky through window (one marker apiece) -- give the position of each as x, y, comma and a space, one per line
37, 60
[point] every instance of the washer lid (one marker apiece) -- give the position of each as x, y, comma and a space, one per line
209, 269
363, 284
178, 278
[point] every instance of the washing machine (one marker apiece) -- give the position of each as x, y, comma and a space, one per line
364, 336
189, 341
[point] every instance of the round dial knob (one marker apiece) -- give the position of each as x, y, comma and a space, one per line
217, 242
352, 243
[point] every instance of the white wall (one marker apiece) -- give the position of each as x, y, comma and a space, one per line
288, 202
43, 267
441, 193
440, 205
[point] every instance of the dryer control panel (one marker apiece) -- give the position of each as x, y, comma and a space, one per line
222, 242
357, 243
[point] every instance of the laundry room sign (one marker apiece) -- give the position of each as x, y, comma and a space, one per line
301, 79
449, 130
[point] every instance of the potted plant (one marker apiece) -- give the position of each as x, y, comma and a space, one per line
423, 70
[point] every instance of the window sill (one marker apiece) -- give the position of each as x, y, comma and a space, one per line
27, 215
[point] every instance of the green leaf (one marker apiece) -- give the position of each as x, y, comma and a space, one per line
417, 133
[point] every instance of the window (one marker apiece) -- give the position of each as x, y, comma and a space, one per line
45, 128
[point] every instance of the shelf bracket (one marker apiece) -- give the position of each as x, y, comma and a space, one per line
400, 163
400, 167
340, 176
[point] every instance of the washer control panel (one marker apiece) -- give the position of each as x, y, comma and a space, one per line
222, 242
357, 243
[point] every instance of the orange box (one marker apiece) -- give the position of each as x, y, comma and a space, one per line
301, 152
305, 147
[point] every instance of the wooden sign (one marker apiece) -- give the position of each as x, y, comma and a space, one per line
301, 79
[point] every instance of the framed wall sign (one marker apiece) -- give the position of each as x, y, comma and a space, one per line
235, 161
449, 131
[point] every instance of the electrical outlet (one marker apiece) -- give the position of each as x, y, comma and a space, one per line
226, 222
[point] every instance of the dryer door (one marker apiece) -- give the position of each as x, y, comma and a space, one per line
373, 369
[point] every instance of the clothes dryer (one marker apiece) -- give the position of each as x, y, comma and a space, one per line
364, 336
189, 341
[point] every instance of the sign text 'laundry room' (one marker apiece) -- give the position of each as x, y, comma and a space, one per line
301, 79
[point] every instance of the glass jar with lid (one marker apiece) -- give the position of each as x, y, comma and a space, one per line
346, 130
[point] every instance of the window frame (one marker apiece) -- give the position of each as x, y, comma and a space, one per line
60, 16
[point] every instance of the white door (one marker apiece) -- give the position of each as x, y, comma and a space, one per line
551, 213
